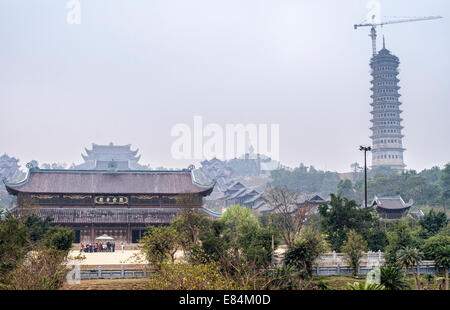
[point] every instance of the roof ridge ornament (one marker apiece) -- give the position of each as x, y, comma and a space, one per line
32, 165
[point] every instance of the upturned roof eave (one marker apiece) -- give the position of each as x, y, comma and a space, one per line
203, 189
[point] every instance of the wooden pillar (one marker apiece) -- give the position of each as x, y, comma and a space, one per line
92, 233
129, 233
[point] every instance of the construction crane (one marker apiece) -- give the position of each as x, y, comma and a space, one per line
374, 25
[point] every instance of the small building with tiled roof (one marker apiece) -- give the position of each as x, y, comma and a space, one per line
391, 207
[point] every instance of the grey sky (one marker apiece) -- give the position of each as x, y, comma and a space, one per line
132, 69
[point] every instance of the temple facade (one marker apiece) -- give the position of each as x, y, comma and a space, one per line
119, 203
387, 145
102, 157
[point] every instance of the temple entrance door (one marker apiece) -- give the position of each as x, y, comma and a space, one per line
135, 236
77, 236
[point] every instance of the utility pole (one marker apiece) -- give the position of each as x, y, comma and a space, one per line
365, 149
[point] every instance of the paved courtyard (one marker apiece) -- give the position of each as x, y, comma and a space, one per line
126, 257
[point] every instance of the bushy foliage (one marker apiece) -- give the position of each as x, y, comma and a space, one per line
189, 225
13, 245
437, 248
305, 251
409, 185
392, 277
433, 222
178, 276
341, 215
159, 243
41, 270
285, 277
353, 249
58, 238
346, 189
400, 236
36, 227
239, 243
306, 180
357, 286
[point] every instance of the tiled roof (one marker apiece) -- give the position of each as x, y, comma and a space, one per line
392, 203
101, 181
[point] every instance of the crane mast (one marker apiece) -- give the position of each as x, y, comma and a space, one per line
373, 25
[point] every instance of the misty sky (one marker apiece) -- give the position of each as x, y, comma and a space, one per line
133, 69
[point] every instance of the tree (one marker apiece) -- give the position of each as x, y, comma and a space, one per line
433, 222
399, 237
409, 185
353, 249
437, 248
13, 245
159, 243
357, 169
345, 189
286, 214
305, 251
410, 257
36, 227
189, 226
58, 238
341, 215
445, 183
239, 243
305, 180
442, 259
376, 238
392, 277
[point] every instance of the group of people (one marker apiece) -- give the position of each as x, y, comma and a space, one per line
98, 247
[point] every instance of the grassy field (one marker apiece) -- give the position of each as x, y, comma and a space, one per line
109, 284
332, 282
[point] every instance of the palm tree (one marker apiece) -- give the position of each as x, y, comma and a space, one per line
393, 277
358, 286
442, 259
410, 257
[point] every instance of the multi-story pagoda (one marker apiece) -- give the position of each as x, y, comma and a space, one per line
387, 150
101, 157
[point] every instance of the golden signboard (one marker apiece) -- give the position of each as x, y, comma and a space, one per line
145, 197
77, 197
111, 200
44, 196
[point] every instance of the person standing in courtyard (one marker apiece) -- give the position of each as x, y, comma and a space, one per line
121, 245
